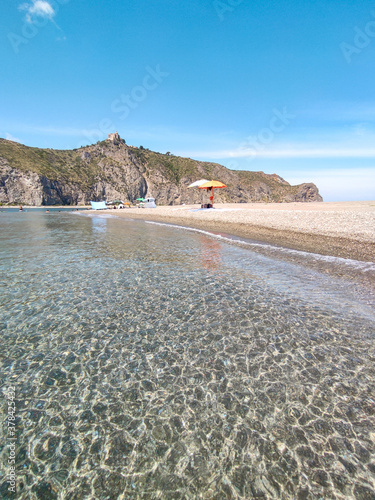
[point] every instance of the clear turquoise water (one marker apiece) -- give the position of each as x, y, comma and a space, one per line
5, 209
155, 362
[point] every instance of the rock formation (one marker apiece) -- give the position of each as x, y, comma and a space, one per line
111, 169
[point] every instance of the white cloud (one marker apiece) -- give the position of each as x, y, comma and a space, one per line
10, 137
38, 8
353, 142
42, 8
296, 152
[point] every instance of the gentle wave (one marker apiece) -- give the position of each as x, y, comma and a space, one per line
359, 265
99, 216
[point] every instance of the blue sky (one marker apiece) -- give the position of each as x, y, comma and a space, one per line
284, 86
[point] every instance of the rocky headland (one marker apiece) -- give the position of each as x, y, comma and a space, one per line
111, 170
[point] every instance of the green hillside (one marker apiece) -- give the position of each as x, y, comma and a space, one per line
112, 168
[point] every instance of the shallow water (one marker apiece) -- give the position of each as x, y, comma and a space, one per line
154, 362
6, 209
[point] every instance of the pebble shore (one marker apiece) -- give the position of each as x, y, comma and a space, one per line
340, 229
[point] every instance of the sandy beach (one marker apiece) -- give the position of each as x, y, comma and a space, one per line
341, 229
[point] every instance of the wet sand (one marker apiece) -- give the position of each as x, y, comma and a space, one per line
340, 229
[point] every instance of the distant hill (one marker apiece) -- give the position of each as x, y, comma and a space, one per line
112, 170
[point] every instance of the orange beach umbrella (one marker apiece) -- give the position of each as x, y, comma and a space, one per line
210, 186
197, 183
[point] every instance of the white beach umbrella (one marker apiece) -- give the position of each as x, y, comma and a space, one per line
198, 183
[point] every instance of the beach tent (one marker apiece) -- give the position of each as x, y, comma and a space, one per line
210, 186
98, 205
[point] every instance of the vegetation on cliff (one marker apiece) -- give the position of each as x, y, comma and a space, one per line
110, 168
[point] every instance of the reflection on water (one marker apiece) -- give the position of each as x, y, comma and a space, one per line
99, 225
211, 254
155, 363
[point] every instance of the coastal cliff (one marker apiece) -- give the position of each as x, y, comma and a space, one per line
112, 170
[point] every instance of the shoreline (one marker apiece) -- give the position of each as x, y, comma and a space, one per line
339, 229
